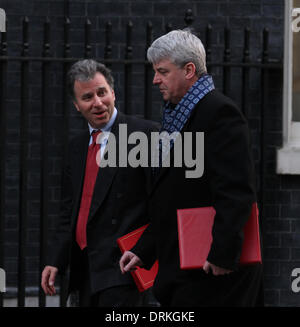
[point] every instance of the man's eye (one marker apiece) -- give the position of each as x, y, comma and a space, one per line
101, 93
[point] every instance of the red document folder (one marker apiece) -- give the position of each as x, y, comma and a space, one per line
142, 277
195, 237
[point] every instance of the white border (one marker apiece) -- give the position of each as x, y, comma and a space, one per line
288, 157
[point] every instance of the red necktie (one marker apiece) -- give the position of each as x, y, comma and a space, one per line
91, 171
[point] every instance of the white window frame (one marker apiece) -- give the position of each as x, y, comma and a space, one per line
288, 157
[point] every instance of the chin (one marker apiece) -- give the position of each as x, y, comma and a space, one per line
98, 125
101, 125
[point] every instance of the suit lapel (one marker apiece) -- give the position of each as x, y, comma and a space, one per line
78, 159
105, 175
79, 155
164, 170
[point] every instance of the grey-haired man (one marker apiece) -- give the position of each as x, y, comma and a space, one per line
228, 184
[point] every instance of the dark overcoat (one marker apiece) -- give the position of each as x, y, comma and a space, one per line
227, 184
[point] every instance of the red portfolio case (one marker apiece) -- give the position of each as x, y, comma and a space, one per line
142, 277
195, 237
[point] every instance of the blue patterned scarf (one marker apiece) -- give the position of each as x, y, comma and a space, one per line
175, 118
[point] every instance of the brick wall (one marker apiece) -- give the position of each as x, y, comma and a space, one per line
282, 197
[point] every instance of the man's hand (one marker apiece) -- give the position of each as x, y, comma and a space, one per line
217, 271
129, 261
48, 279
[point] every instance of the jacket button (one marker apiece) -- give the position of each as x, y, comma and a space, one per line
114, 221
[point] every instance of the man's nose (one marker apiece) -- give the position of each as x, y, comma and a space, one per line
156, 79
97, 101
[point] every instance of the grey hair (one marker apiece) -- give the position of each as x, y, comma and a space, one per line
85, 70
180, 47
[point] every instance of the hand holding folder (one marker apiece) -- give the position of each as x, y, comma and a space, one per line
195, 237
143, 278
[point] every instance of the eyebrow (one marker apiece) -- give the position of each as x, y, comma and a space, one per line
100, 88
159, 69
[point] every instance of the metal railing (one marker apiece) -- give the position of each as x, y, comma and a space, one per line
261, 67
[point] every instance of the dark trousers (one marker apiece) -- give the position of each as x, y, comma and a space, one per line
238, 289
117, 296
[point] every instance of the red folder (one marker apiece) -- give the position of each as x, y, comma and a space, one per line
142, 277
195, 237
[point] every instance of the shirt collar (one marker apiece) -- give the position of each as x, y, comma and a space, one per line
108, 126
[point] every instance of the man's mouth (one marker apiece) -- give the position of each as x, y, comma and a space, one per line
100, 114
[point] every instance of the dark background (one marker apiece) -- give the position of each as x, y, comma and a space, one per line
281, 222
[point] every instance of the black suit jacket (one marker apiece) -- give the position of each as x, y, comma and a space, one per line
118, 206
228, 184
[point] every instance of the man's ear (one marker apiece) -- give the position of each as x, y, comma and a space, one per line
113, 93
190, 70
76, 105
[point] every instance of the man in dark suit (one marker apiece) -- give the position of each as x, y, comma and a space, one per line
227, 183
98, 204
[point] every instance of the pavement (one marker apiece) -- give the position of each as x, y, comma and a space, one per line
32, 301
